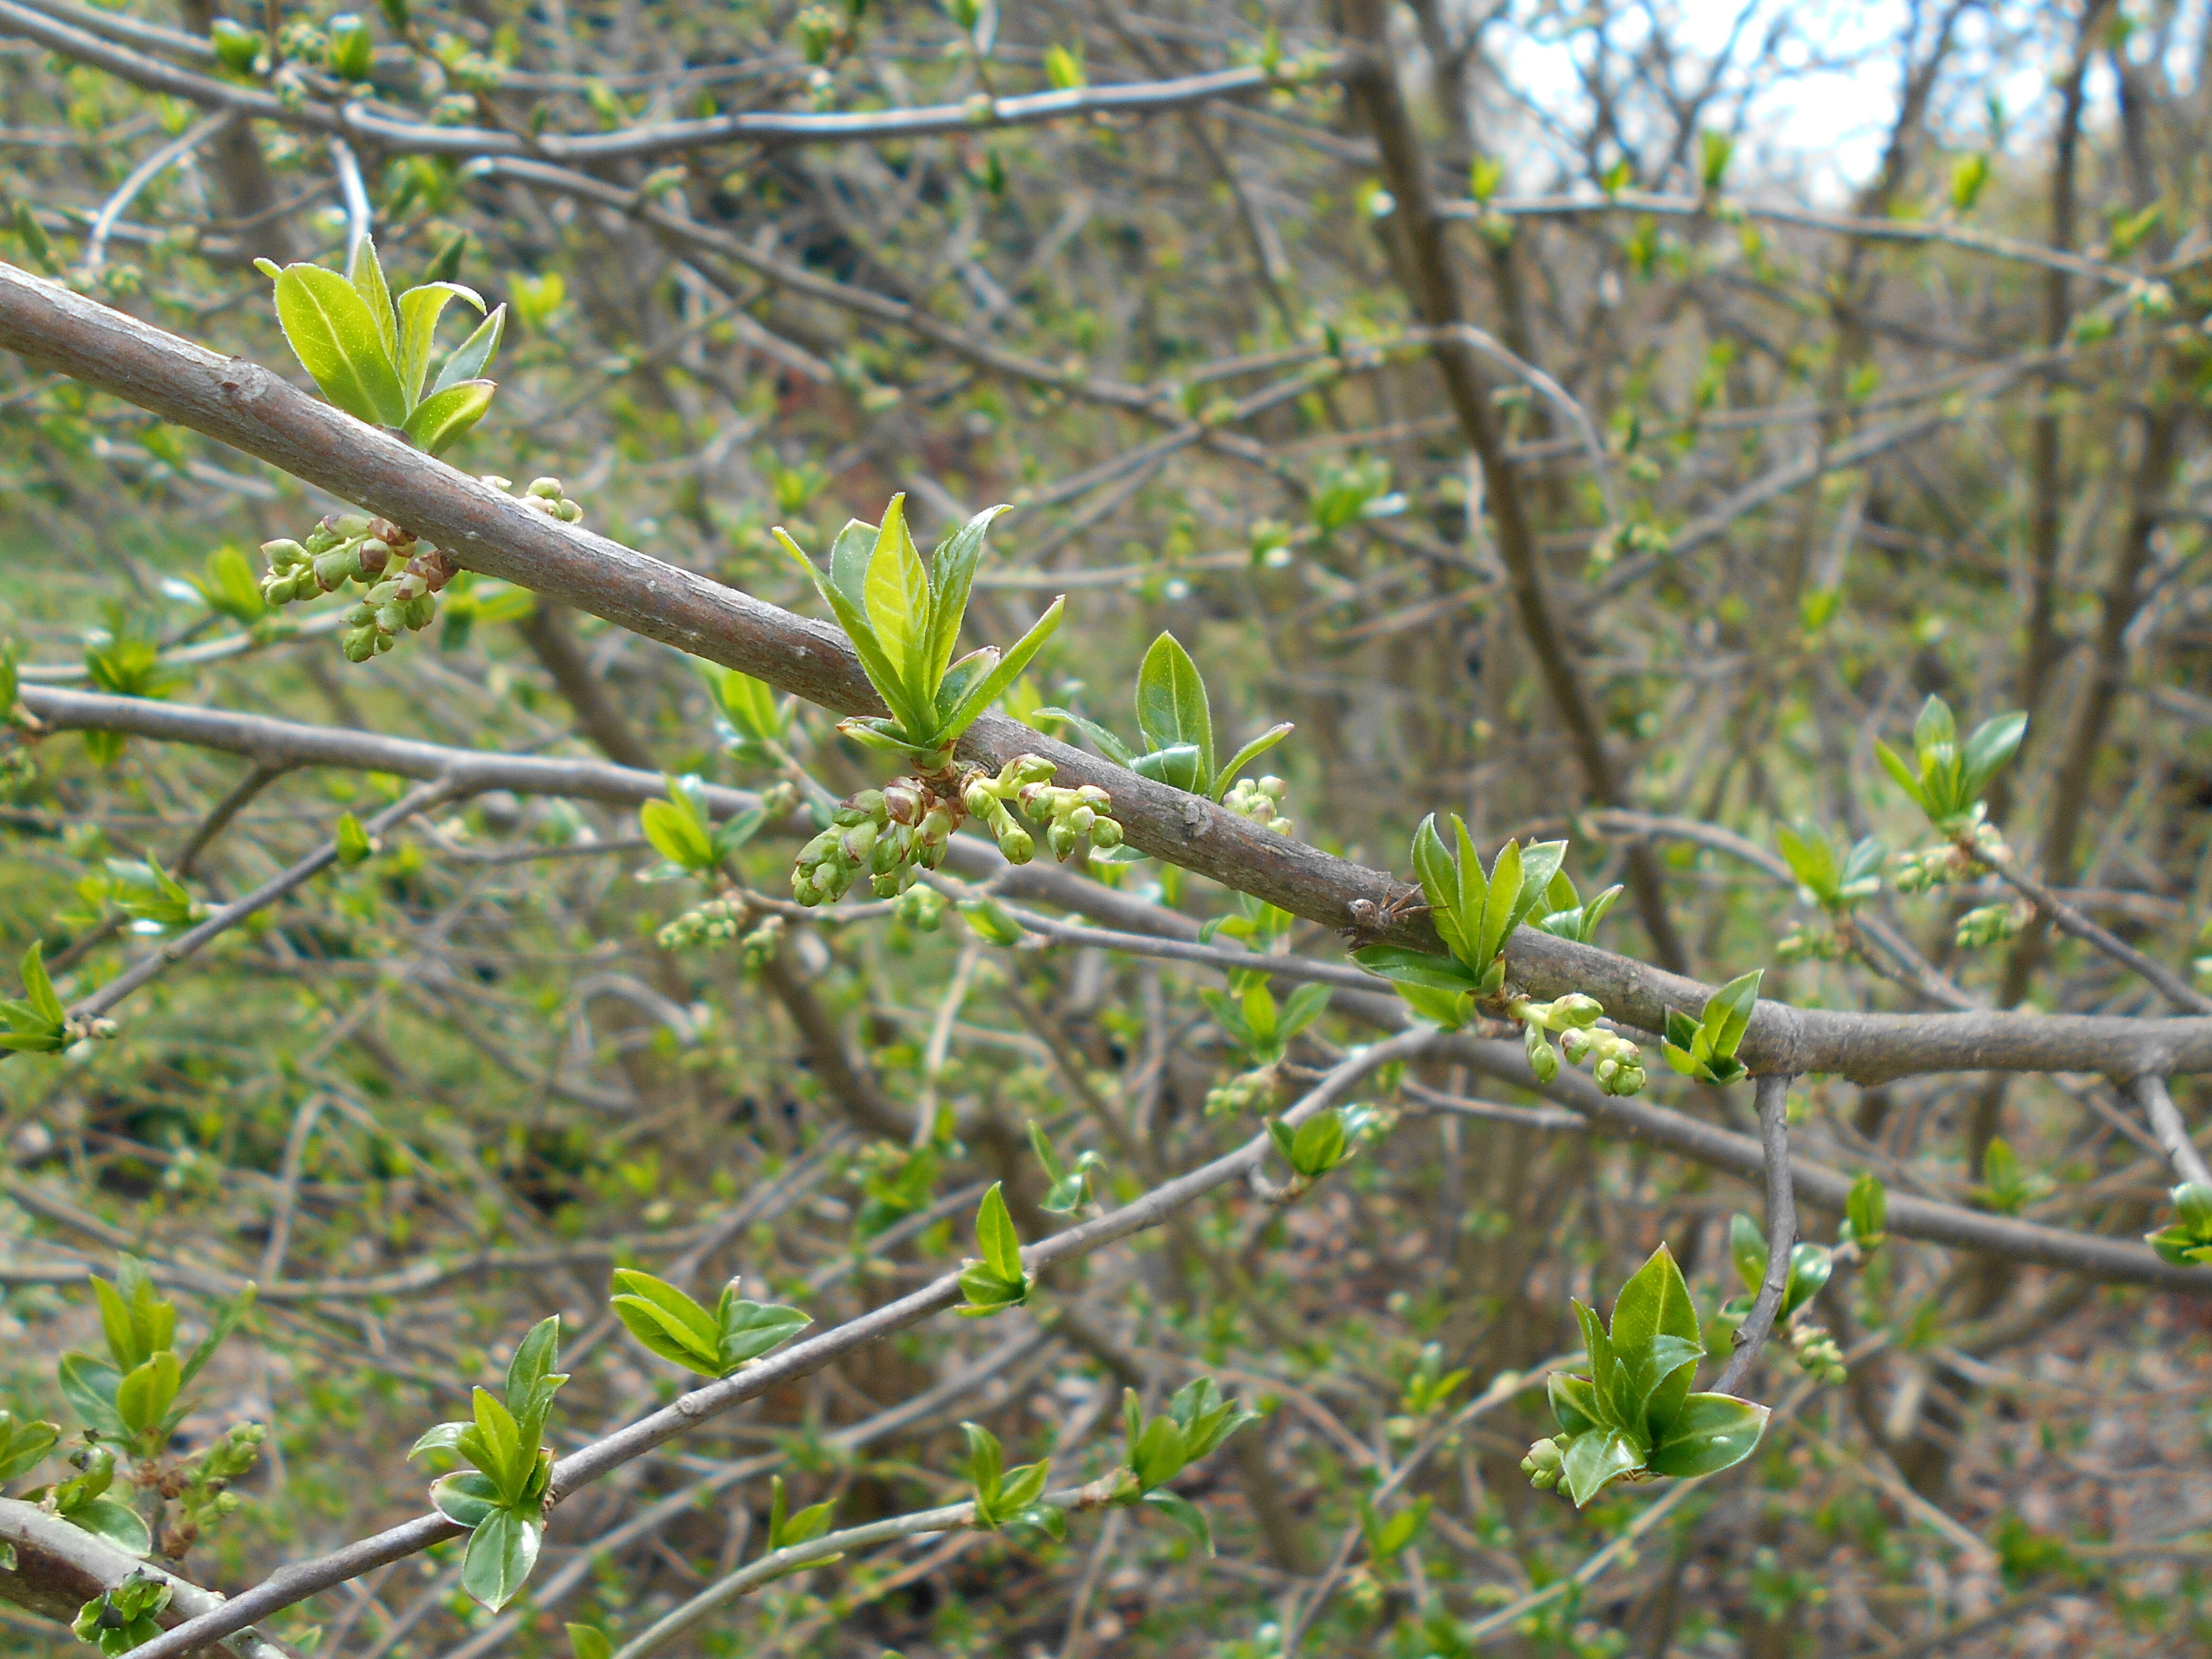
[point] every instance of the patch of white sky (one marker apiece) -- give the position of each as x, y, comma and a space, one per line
1811, 87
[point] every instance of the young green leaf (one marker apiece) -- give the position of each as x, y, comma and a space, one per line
749, 1329
1710, 1432
995, 1238
420, 309
337, 341
1171, 703
474, 354
666, 1321
23, 1445
899, 605
1244, 757
951, 577
502, 1550
444, 417
365, 272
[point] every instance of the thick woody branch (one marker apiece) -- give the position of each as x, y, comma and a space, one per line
248, 407
1773, 1091
399, 137
57, 1568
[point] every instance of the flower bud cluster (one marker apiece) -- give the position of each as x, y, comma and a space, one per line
1261, 802
1543, 1464
1810, 942
892, 834
1617, 1063
889, 834
1989, 924
1247, 1092
1817, 1354
1069, 815
921, 909
399, 578
1916, 872
715, 923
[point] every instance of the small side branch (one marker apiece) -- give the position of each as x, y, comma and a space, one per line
2151, 1094
2068, 920
1773, 1098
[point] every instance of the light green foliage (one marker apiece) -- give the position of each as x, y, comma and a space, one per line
1071, 1182
1005, 1494
371, 357
1474, 913
2185, 1241
669, 1323
1175, 719
23, 1445
1330, 1137
1705, 1047
501, 1497
37, 1024
1565, 913
1255, 1023
124, 1618
1199, 1418
1866, 1213
1634, 1416
1947, 777
1810, 1268
992, 1279
904, 617
135, 1395
2006, 1185
683, 831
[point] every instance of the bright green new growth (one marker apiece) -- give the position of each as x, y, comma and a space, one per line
134, 1396
682, 830
1176, 719
1005, 1494
675, 1327
2186, 1244
903, 619
23, 1445
1634, 1417
1947, 781
1810, 1266
1329, 1138
1198, 1419
1256, 1024
37, 1025
501, 1497
1070, 1188
1474, 913
117, 1620
1705, 1047
370, 356
992, 1279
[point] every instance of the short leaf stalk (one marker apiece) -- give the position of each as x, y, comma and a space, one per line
903, 619
1634, 1417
